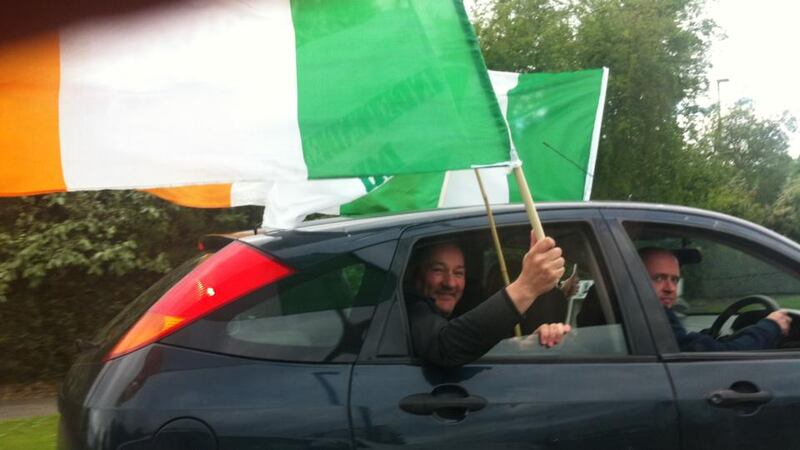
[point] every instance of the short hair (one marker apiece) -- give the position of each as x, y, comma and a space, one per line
427, 251
646, 252
683, 255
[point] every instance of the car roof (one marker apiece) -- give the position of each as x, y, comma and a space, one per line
434, 215
376, 222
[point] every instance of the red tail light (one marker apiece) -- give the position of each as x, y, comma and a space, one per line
229, 274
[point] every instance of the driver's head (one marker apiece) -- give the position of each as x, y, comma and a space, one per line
441, 276
665, 273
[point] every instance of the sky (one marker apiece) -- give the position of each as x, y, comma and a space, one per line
759, 57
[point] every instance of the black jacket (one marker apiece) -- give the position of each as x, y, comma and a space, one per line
762, 335
461, 340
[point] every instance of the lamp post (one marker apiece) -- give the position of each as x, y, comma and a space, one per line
718, 140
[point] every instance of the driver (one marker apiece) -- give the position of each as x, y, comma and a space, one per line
664, 270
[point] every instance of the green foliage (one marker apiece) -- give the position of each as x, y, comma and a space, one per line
69, 262
747, 164
656, 54
785, 216
107, 233
757, 148
527, 36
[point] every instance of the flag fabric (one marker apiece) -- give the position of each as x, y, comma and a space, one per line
218, 92
555, 120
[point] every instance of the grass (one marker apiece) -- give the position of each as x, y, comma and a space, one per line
788, 301
32, 433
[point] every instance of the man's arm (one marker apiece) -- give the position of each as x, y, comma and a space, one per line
762, 335
468, 337
463, 339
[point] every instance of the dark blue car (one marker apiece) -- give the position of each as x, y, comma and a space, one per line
300, 339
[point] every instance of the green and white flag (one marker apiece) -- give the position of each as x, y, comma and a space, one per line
554, 120
207, 91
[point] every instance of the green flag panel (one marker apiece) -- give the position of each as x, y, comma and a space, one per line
392, 87
552, 119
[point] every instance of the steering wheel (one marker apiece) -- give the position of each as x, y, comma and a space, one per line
768, 303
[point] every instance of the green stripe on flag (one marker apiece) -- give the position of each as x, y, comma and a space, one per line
400, 193
552, 118
392, 87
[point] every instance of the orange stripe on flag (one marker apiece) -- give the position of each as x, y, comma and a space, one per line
205, 196
30, 160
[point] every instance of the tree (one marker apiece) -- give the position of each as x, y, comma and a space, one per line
656, 52
785, 215
755, 147
527, 36
70, 262
102, 233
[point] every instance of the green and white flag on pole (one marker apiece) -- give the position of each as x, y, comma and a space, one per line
206, 92
554, 120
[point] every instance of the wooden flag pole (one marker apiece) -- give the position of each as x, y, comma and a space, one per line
527, 199
496, 239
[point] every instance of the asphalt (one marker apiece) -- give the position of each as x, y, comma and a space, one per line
17, 409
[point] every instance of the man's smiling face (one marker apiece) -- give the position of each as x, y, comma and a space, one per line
442, 277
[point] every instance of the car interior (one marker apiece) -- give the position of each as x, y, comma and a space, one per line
726, 285
484, 278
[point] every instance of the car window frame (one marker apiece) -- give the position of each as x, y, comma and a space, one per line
637, 333
744, 235
375, 257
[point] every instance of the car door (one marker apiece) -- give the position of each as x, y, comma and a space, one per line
726, 400
603, 387
271, 370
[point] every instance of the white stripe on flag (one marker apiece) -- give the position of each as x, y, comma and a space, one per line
463, 189
288, 203
206, 88
249, 192
502, 82
461, 186
598, 119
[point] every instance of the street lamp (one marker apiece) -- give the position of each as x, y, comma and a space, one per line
720, 81
718, 140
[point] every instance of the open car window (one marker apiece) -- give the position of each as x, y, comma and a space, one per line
590, 307
718, 273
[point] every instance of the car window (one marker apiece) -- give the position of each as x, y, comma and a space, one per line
717, 271
590, 307
318, 314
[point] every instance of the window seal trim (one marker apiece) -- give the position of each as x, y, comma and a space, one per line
602, 359
731, 356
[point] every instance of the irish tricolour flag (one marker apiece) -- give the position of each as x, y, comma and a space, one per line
554, 119
220, 91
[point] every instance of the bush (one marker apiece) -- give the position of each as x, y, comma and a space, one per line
70, 262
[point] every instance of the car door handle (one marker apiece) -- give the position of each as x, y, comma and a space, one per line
725, 398
427, 404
